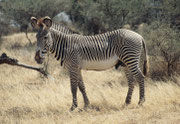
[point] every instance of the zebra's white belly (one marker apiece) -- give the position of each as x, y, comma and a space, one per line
99, 65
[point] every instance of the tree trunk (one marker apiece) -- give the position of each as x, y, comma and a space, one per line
24, 29
28, 38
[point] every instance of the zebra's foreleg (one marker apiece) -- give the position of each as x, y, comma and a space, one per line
77, 81
83, 91
82, 88
131, 80
74, 85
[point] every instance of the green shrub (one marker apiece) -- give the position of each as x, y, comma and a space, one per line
163, 45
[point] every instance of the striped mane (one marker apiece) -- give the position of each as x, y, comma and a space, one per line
63, 29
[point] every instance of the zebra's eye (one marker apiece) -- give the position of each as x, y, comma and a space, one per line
45, 38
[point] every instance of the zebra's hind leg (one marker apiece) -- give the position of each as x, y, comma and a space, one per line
131, 80
140, 79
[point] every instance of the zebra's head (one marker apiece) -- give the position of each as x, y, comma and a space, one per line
43, 36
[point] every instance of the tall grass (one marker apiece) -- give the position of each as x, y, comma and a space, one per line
27, 98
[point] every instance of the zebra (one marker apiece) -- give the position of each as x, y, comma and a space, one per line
97, 52
68, 30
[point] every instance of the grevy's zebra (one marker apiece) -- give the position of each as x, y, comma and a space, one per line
97, 52
68, 30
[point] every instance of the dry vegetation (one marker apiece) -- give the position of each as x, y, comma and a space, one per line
28, 98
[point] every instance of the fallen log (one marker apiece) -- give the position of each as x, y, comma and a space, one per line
4, 59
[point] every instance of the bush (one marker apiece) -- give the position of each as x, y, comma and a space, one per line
98, 16
163, 45
3, 27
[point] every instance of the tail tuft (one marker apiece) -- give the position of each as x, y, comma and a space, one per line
145, 68
146, 61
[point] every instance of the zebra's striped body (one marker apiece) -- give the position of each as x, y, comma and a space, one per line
95, 55
98, 52
102, 65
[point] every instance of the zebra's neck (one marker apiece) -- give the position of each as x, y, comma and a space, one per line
60, 44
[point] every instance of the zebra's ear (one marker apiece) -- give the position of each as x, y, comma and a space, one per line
34, 22
47, 21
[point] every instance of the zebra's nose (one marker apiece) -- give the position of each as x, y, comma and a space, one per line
37, 57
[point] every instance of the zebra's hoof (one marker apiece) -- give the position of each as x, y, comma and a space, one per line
140, 103
127, 102
124, 105
86, 107
73, 108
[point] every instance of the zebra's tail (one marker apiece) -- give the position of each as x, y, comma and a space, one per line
146, 60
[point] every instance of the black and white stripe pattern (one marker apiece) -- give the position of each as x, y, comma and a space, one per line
96, 52
62, 28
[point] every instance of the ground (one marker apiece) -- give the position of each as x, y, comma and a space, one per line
26, 97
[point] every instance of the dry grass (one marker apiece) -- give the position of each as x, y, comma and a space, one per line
27, 98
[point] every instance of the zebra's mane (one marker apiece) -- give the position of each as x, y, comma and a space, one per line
63, 29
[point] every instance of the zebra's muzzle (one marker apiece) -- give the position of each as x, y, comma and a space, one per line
38, 58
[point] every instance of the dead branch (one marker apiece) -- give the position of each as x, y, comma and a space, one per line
30, 42
4, 59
